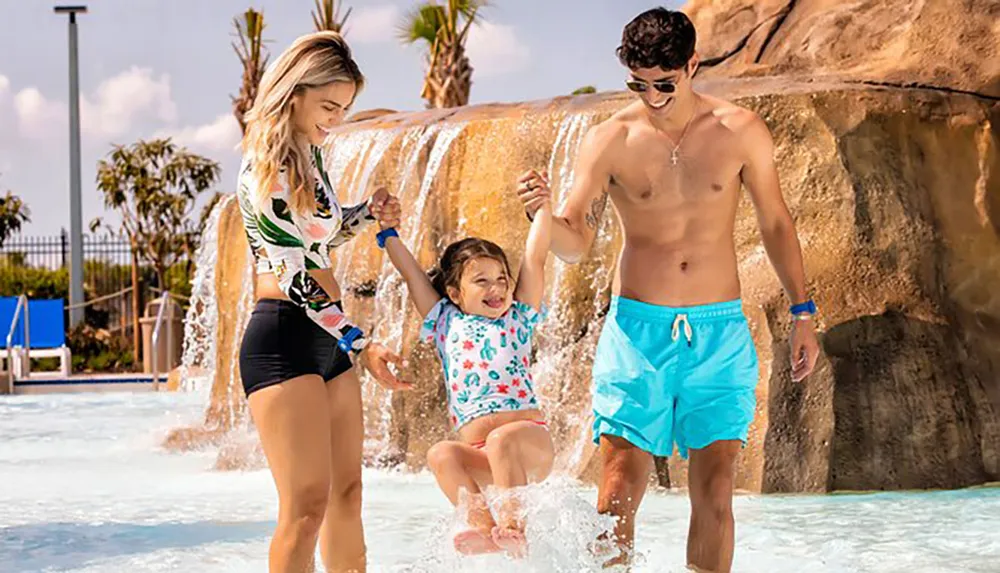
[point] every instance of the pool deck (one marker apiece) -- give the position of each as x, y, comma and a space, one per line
46, 383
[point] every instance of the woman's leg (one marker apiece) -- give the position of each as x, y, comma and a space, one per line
519, 453
292, 419
458, 466
342, 538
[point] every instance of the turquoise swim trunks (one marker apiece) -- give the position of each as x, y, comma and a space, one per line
666, 375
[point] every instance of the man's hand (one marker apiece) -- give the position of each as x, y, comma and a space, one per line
805, 349
533, 190
376, 358
385, 208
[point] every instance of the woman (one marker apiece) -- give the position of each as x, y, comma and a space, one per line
299, 348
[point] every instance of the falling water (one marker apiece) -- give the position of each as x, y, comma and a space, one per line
552, 367
202, 318
392, 299
365, 149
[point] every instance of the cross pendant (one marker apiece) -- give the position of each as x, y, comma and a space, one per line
673, 157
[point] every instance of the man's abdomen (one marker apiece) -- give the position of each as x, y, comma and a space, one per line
681, 276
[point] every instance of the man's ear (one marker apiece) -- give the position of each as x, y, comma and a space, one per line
693, 64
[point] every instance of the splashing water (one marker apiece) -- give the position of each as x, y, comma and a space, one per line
560, 529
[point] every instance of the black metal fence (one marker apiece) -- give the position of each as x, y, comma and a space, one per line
39, 266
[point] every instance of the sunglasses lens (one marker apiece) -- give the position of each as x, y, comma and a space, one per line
665, 87
637, 87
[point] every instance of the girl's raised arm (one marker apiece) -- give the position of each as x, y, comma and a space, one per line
422, 292
531, 278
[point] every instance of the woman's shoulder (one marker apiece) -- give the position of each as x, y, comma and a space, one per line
249, 178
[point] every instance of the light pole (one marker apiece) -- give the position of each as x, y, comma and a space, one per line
75, 201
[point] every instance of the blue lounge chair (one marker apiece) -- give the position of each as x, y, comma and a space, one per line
47, 326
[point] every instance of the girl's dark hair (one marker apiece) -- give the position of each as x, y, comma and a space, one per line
448, 273
657, 38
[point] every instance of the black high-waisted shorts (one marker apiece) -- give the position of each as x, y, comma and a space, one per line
281, 342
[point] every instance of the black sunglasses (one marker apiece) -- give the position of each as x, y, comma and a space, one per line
662, 86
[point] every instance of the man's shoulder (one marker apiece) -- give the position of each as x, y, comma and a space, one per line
611, 133
613, 127
733, 117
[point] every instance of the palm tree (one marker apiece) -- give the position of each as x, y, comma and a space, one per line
326, 17
445, 28
253, 56
13, 212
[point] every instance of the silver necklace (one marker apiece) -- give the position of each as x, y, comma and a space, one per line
675, 154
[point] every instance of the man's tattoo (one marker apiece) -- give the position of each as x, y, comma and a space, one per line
597, 207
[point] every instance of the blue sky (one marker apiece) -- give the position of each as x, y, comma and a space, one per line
165, 67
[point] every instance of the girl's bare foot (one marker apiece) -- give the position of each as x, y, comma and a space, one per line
474, 542
511, 540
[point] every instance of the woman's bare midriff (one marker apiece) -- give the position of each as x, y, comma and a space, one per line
477, 430
267, 285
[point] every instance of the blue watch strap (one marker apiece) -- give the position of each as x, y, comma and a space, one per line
385, 234
807, 307
346, 342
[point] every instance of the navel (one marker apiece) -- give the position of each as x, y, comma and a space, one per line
647, 194
716, 187
684, 266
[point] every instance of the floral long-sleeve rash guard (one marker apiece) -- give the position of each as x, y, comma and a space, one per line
290, 244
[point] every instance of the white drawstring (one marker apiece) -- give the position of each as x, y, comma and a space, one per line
676, 332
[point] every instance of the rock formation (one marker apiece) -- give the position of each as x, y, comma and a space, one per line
948, 44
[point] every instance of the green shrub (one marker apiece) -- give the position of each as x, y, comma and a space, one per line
97, 350
36, 282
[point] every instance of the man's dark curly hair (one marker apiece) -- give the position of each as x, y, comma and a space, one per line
657, 38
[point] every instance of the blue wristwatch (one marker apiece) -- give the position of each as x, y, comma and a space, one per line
385, 234
807, 307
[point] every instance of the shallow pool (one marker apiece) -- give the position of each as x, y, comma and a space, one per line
84, 487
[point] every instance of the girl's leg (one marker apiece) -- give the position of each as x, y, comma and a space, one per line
519, 453
293, 421
342, 538
458, 466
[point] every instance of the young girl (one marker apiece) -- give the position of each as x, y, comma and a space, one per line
481, 322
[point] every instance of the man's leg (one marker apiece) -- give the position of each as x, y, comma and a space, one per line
710, 486
624, 476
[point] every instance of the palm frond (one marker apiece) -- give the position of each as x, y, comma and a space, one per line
249, 48
468, 8
326, 16
422, 23
250, 33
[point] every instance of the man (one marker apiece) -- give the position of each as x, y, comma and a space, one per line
675, 363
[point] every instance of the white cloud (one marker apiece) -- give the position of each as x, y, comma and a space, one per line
495, 49
113, 109
373, 25
221, 135
4, 86
120, 100
37, 116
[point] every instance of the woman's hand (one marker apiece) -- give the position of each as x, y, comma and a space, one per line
376, 358
385, 208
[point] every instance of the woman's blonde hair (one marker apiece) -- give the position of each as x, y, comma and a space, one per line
313, 60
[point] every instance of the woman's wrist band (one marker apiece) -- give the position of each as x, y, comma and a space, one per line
353, 341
